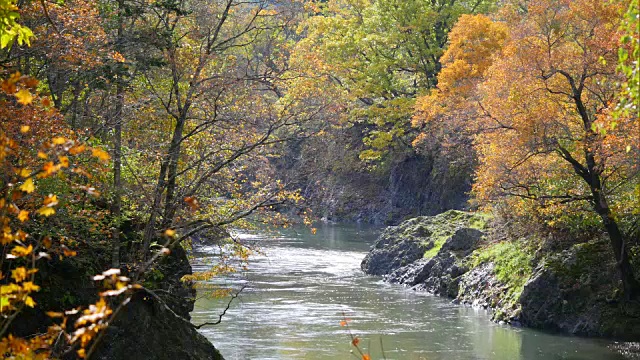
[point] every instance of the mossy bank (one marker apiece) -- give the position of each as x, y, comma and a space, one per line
529, 281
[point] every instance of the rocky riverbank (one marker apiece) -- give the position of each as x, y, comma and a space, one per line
539, 284
153, 325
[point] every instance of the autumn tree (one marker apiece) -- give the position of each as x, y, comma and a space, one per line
380, 54
541, 108
213, 116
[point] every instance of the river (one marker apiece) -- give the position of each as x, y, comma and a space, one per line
297, 291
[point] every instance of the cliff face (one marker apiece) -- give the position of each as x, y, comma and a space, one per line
409, 186
572, 290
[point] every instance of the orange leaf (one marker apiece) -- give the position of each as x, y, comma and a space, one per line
100, 154
355, 341
192, 202
31, 82
77, 149
69, 253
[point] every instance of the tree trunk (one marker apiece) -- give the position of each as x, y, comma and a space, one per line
590, 172
116, 209
630, 285
171, 160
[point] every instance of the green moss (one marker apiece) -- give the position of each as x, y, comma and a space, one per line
438, 241
512, 265
441, 227
479, 221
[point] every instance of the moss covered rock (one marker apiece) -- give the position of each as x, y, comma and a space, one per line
422, 237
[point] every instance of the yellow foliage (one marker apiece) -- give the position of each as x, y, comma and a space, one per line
24, 97
46, 211
19, 274
100, 154
28, 186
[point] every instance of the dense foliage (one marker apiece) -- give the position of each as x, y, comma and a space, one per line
129, 128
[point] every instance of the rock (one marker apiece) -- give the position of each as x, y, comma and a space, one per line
573, 292
431, 184
147, 327
156, 326
465, 240
149, 330
397, 246
399, 253
572, 288
479, 286
411, 274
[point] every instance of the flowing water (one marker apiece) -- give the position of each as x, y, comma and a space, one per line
296, 293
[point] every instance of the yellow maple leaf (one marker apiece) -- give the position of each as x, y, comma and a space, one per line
28, 186
46, 211
23, 215
29, 286
64, 161
24, 97
19, 274
21, 251
25, 128
29, 301
58, 140
24, 172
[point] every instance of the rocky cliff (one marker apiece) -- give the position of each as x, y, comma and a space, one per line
572, 290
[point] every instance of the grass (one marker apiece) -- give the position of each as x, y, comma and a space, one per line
512, 265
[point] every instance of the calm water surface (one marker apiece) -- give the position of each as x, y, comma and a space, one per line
296, 294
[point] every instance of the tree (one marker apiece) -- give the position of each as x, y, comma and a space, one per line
380, 54
542, 114
213, 115
448, 112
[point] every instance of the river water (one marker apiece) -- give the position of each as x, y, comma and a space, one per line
303, 285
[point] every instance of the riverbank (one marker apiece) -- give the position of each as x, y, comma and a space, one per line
542, 284
153, 325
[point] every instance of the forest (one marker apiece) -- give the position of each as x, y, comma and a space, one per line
133, 132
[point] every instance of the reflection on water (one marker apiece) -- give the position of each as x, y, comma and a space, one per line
296, 294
